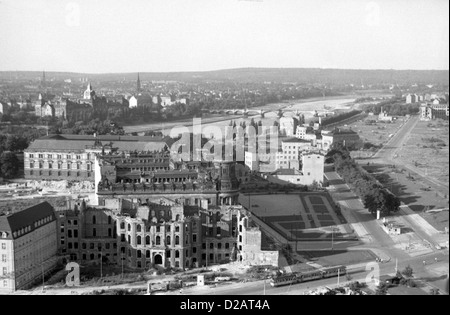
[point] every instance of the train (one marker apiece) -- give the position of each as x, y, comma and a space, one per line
299, 277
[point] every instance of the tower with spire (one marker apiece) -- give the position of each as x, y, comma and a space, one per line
138, 87
43, 79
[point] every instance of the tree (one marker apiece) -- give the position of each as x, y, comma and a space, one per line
391, 203
16, 143
370, 202
9, 165
382, 289
314, 186
408, 271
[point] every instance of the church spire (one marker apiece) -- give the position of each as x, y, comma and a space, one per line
43, 79
138, 89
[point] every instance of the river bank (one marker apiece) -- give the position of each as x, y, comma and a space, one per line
307, 107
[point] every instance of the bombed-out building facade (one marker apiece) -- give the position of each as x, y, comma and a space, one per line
160, 233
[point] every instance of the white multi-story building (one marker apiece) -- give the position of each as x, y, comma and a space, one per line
312, 171
288, 126
291, 152
252, 161
412, 98
28, 247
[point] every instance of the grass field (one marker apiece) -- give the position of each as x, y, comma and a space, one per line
428, 149
377, 133
439, 220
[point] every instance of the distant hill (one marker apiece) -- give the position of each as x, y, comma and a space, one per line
278, 75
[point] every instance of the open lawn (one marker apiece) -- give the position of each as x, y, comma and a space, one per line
376, 133
437, 219
427, 149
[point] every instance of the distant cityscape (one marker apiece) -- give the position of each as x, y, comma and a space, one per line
315, 161
146, 207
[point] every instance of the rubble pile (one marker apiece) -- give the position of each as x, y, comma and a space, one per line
62, 186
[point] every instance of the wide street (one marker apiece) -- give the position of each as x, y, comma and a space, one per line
357, 273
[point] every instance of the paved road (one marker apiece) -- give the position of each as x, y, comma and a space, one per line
352, 208
358, 274
396, 142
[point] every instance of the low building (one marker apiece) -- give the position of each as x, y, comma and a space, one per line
310, 172
143, 100
345, 137
383, 116
28, 247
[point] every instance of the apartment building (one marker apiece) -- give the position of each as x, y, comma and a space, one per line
28, 247
291, 151
432, 111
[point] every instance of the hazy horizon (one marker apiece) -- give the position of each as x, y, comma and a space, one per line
167, 36
215, 70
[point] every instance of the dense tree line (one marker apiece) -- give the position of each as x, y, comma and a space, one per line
373, 195
10, 145
95, 126
393, 107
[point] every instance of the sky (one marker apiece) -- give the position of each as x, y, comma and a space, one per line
109, 36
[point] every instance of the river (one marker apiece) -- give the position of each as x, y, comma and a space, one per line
306, 107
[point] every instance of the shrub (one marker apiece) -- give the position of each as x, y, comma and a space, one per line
408, 271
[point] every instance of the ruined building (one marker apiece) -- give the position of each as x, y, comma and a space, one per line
161, 233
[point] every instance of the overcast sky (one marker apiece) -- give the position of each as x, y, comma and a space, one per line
97, 36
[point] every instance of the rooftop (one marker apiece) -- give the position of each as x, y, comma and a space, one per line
81, 142
26, 218
296, 140
339, 131
287, 172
